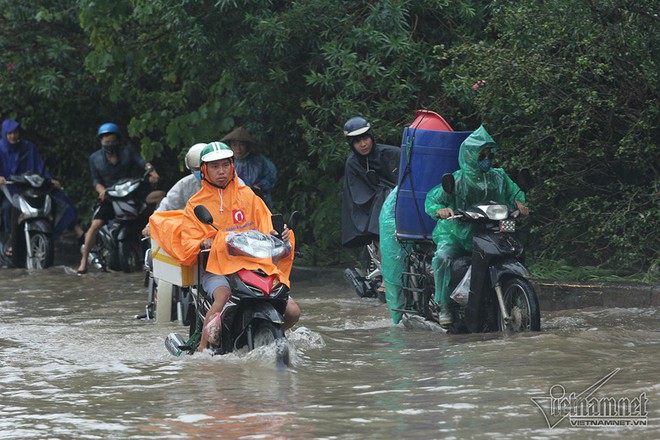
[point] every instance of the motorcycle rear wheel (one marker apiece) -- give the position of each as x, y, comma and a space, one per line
522, 305
266, 333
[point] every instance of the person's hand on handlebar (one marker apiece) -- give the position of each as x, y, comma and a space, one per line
444, 213
286, 233
206, 244
153, 175
524, 210
2, 180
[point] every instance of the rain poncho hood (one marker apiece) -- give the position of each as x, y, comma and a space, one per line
234, 209
472, 186
20, 157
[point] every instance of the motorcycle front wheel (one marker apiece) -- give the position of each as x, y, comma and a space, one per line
43, 251
522, 305
130, 257
266, 333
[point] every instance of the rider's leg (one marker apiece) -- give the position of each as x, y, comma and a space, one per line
103, 212
441, 262
220, 297
219, 285
90, 239
291, 314
6, 214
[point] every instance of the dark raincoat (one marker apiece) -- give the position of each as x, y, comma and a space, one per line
361, 199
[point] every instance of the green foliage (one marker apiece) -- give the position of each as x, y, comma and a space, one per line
571, 91
563, 270
44, 85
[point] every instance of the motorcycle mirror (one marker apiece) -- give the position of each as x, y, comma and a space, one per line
448, 183
525, 179
372, 177
203, 215
294, 219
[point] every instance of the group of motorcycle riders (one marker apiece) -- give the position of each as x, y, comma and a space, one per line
235, 182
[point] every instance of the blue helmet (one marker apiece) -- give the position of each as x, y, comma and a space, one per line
107, 128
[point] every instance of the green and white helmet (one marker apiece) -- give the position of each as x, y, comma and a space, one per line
215, 151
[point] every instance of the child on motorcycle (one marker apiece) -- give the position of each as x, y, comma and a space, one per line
476, 181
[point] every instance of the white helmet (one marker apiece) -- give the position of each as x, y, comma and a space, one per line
215, 151
192, 157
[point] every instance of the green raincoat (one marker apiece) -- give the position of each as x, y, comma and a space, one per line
392, 257
472, 186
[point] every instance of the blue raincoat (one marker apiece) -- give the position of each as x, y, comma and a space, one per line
256, 169
23, 157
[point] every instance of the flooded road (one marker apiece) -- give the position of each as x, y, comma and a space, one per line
75, 364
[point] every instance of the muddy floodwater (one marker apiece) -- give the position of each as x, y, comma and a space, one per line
74, 363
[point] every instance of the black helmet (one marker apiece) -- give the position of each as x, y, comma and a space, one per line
357, 126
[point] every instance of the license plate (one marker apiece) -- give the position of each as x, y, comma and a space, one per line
507, 226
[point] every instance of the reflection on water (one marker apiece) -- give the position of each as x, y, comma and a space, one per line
74, 363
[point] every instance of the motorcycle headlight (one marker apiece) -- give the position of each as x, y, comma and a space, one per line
123, 189
495, 212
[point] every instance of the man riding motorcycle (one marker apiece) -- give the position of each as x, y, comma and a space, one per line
108, 165
371, 171
476, 181
235, 208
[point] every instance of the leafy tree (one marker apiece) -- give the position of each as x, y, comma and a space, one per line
571, 90
43, 84
567, 88
290, 72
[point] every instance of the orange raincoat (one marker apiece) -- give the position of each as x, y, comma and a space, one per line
234, 209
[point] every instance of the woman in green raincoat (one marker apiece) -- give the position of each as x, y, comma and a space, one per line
476, 181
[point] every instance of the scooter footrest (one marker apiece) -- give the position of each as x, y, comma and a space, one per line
412, 289
412, 312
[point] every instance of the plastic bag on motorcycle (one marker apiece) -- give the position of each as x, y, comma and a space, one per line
256, 244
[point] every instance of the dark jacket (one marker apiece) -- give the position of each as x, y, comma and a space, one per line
361, 199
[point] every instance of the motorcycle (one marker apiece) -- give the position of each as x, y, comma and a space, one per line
369, 284
165, 301
492, 291
254, 314
33, 209
119, 242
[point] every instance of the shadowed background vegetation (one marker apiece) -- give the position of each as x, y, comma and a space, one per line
569, 89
